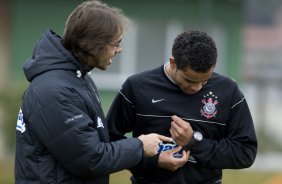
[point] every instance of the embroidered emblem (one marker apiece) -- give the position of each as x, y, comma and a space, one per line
209, 109
99, 123
20, 122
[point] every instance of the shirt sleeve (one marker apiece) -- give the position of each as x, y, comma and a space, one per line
61, 123
237, 149
120, 119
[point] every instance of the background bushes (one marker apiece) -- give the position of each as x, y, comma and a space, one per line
10, 100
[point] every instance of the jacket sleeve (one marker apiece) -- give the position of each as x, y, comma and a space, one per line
120, 120
61, 122
237, 149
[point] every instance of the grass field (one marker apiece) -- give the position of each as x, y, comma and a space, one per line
122, 177
229, 177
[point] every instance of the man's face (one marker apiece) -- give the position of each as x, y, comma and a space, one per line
104, 59
189, 80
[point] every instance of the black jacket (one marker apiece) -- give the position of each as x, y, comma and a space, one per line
62, 135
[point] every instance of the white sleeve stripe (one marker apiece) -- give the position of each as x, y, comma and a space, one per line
125, 97
237, 103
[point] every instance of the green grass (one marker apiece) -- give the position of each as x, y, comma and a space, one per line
122, 177
6, 172
247, 177
229, 177
107, 98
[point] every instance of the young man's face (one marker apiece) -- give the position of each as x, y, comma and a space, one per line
104, 59
189, 80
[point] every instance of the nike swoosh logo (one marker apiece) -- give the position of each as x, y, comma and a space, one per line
155, 101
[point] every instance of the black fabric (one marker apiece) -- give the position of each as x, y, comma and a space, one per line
219, 111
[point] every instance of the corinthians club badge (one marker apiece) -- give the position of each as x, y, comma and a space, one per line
209, 109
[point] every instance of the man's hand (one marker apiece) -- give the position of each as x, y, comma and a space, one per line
169, 162
180, 131
151, 143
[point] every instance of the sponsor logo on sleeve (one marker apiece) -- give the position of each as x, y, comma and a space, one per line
100, 123
73, 118
20, 122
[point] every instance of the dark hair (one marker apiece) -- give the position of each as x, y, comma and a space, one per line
195, 50
90, 27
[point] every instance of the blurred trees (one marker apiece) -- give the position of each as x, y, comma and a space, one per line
10, 100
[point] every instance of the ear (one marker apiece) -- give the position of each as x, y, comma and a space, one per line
172, 62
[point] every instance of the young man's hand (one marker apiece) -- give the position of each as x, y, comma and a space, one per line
168, 161
181, 131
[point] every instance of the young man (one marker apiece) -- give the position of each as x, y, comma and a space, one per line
210, 116
62, 136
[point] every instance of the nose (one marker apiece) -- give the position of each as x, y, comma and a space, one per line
196, 87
